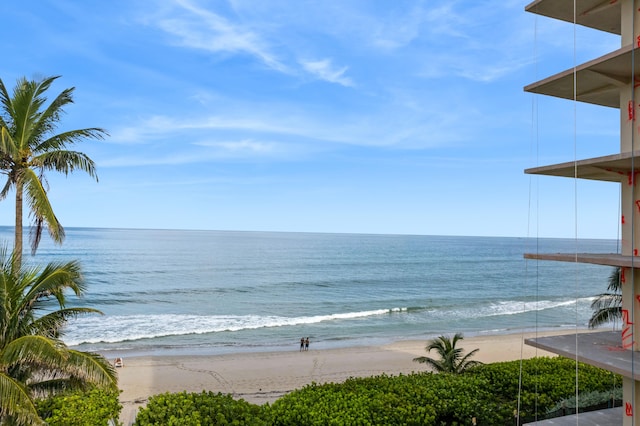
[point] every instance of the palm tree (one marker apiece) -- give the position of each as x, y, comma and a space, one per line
451, 359
29, 147
607, 307
34, 361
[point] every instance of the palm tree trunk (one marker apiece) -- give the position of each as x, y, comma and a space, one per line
17, 247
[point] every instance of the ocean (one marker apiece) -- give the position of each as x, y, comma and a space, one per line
213, 292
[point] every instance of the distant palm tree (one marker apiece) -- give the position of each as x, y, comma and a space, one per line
608, 306
451, 359
34, 361
29, 147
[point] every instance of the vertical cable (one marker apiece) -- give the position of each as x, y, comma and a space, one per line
575, 198
633, 198
533, 147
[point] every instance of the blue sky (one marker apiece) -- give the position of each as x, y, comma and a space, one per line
358, 116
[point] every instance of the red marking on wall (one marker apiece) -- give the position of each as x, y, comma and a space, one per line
631, 177
623, 219
628, 409
627, 330
638, 41
631, 110
635, 252
623, 278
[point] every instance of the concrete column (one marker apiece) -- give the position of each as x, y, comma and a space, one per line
630, 199
630, 415
628, 21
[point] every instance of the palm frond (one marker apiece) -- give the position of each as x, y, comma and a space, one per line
466, 362
40, 207
31, 352
615, 281
605, 316
468, 365
607, 307
38, 350
49, 117
29, 142
58, 385
437, 365
16, 403
51, 324
451, 358
8, 185
26, 102
70, 137
606, 300
8, 148
92, 368
67, 162
56, 277
5, 99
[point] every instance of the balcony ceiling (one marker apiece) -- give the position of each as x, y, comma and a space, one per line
597, 82
597, 14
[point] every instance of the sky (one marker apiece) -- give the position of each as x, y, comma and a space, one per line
350, 116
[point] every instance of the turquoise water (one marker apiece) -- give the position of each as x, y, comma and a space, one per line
216, 292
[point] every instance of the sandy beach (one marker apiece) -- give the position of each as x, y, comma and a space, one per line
264, 377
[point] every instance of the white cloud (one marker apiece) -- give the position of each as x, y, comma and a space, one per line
210, 151
491, 72
146, 160
473, 67
202, 29
404, 121
242, 146
161, 127
324, 70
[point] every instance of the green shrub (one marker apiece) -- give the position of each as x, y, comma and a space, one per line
416, 399
92, 408
370, 401
488, 393
545, 381
205, 408
587, 401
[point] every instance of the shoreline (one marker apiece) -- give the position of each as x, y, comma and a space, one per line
170, 350
261, 377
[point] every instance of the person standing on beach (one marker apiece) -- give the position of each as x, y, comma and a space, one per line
306, 344
301, 344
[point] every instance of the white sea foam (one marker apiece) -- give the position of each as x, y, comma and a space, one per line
510, 307
256, 289
123, 328
505, 308
135, 327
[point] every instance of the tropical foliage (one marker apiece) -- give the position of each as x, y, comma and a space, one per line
542, 382
206, 408
96, 407
607, 307
451, 358
30, 146
34, 362
587, 401
489, 393
417, 399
